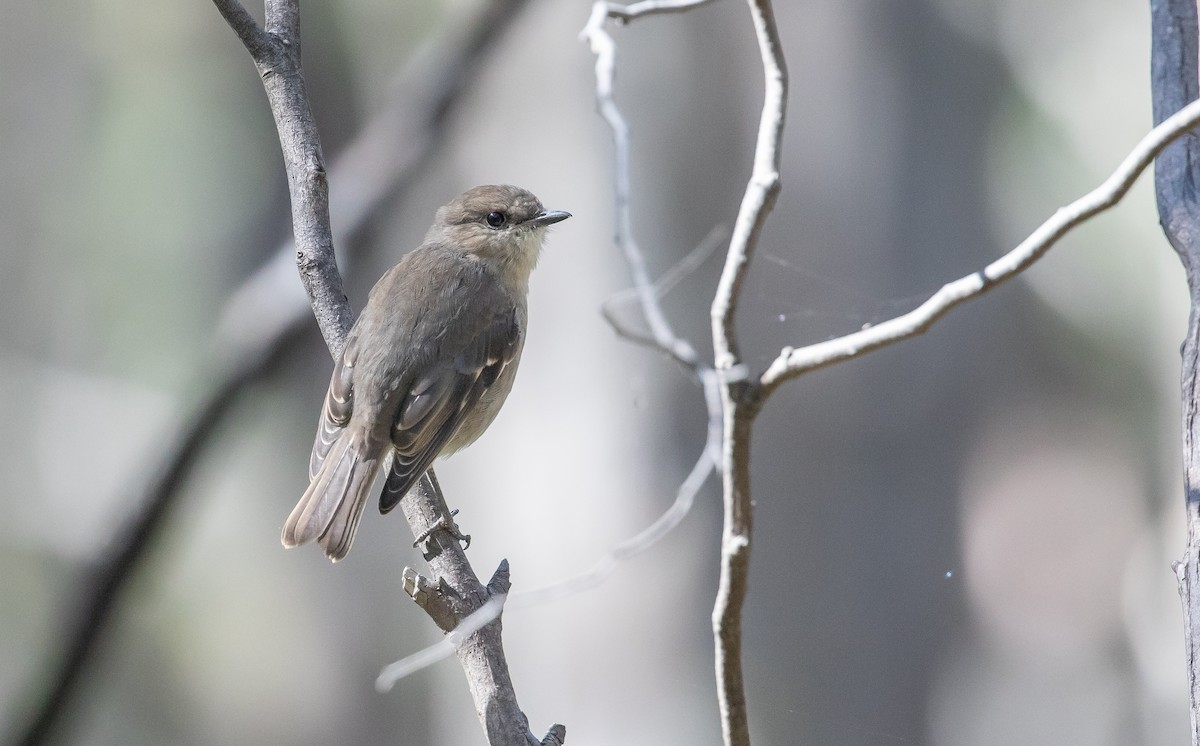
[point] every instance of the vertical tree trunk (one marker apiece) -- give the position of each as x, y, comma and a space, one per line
1187, 570
1174, 78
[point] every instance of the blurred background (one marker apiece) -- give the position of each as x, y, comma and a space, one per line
963, 539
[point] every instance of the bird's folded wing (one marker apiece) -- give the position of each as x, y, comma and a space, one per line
441, 398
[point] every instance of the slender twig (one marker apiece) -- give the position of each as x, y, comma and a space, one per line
263, 313
685, 498
651, 7
760, 193
605, 49
648, 293
661, 335
794, 362
660, 287
253, 37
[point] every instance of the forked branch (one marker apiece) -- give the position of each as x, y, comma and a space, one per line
744, 393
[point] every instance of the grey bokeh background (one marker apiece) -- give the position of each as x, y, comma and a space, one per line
961, 540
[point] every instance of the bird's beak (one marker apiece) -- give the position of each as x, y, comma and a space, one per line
548, 217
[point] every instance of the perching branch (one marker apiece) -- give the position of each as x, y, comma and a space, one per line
457, 599
263, 315
458, 590
276, 54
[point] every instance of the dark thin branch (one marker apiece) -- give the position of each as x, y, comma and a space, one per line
105, 583
256, 41
260, 319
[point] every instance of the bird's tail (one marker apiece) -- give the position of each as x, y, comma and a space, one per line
333, 503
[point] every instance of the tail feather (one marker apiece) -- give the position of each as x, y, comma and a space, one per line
333, 503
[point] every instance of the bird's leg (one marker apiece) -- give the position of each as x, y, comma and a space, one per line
446, 521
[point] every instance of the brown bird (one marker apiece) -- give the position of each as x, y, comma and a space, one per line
428, 363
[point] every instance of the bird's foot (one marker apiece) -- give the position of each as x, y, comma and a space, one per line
447, 523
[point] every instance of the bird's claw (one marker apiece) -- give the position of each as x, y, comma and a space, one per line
447, 523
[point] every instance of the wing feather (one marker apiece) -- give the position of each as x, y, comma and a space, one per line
338, 406
441, 399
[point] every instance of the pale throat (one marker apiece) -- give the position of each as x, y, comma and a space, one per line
520, 260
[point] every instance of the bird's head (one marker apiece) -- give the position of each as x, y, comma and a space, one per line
500, 224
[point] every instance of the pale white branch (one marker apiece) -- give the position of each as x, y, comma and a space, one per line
761, 191
651, 7
738, 403
663, 285
484, 615
793, 362
726, 382
605, 49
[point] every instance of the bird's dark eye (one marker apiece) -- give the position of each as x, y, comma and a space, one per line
495, 219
